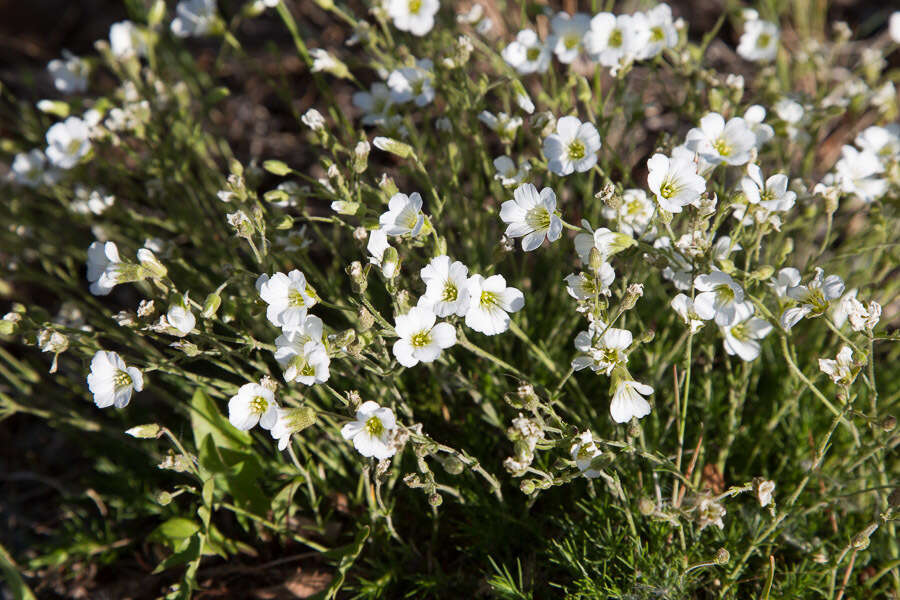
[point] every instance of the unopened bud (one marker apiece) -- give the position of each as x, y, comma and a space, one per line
596, 260
634, 428
151, 263
393, 146
9, 323
164, 498
452, 465
888, 423
860, 541
150, 430
435, 500
345, 338
402, 302
646, 506
211, 305
387, 185
390, 261
722, 556
634, 291
357, 277
366, 319
527, 486
361, 156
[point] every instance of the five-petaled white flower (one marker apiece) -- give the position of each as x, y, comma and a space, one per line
772, 194
127, 40
490, 301
842, 369
674, 181
719, 297
194, 18
289, 421
527, 53
532, 216
180, 316
376, 104
507, 172
612, 40
372, 430
719, 142
69, 73
628, 401
573, 147
568, 33
68, 142
288, 296
814, 297
655, 31
253, 404
111, 381
584, 451
684, 306
759, 41
103, 267
414, 16
859, 173
413, 83
30, 169
303, 361
420, 339
404, 215
446, 292
634, 214
604, 354
743, 335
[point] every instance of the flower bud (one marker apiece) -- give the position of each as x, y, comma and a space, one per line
366, 319
390, 262
402, 299
151, 263
888, 423
634, 428
357, 277
393, 146
387, 185
722, 556
435, 500
634, 291
164, 498
527, 486
150, 430
595, 259
452, 465
860, 541
361, 156
211, 305
646, 506
9, 323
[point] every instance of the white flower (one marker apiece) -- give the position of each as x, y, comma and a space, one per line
655, 31
605, 241
504, 124
684, 306
303, 361
719, 297
759, 42
741, 337
111, 382
376, 103
413, 83
674, 181
573, 147
568, 33
313, 119
634, 213
253, 404
584, 451
194, 18
103, 267
68, 142
288, 296
679, 270
30, 169
628, 401
764, 491
719, 142
404, 215
585, 287
527, 54
377, 245
88, 201
772, 195
531, 216
414, 16
710, 512
507, 172
289, 421
880, 141
814, 298
69, 73
894, 27
863, 318
446, 292
840, 310
180, 316
755, 116
787, 278
325, 62
420, 339
372, 430
126, 40
612, 40
490, 302
857, 173
842, 370
604, 354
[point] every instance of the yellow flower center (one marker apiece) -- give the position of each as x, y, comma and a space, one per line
259, 405
450, 292
421, 339
122, 379
667, 190
571, 41
576, 150
615, 38
295, 298
763, 40
722, 147
538, 218
532, 54
488, 299
415, 6
374, 426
